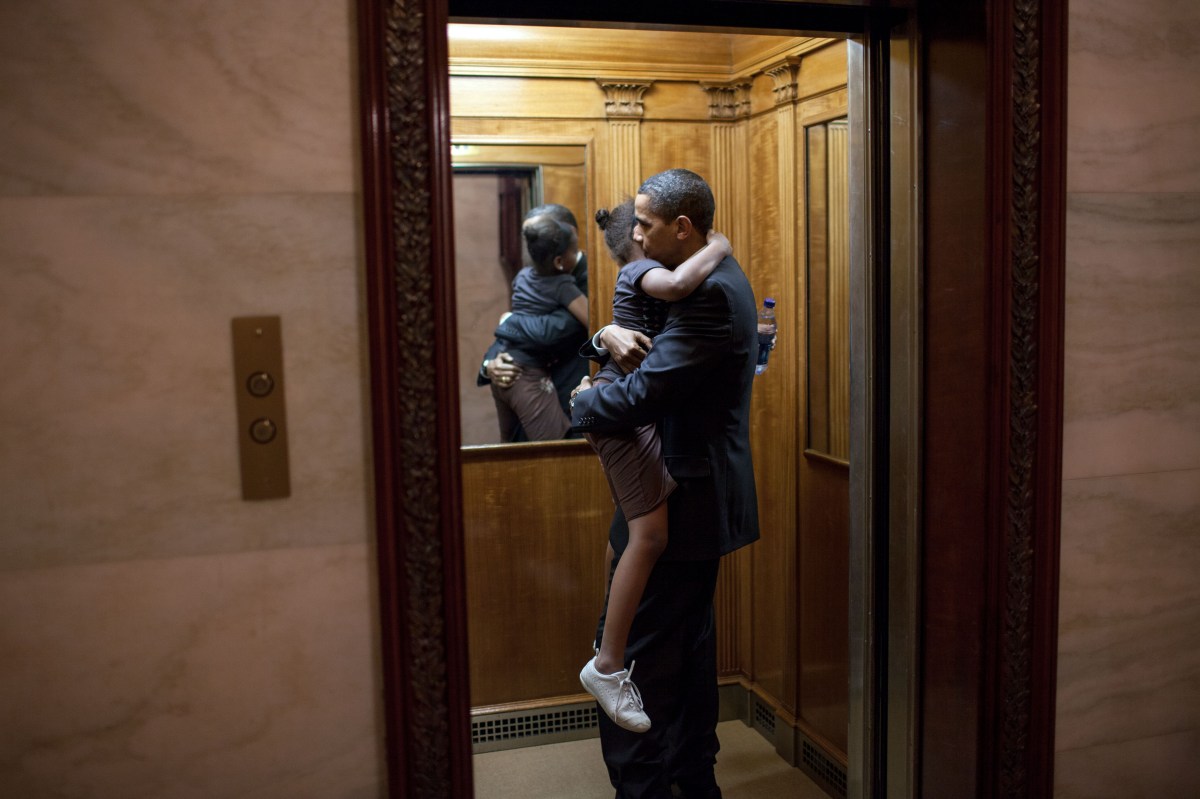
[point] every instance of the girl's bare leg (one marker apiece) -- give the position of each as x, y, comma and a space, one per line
647, 540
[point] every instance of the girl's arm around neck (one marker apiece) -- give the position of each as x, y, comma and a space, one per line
675, 284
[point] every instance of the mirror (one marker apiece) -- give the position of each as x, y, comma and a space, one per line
827, 189
494, 185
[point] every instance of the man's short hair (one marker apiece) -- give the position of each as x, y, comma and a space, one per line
681, 192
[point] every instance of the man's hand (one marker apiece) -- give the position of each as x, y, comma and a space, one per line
584, 385
627, 347
503, 370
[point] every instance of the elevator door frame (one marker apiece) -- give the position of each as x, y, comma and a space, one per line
1009, 745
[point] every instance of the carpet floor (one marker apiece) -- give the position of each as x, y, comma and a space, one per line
747, 768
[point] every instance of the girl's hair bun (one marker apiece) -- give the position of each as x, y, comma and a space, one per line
602, 218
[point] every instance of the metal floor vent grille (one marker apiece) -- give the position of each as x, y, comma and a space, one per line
825, 772
495, 731
764, 717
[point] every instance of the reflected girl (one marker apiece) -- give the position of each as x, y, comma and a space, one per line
530, 400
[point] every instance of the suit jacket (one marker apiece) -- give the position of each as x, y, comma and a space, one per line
695, 383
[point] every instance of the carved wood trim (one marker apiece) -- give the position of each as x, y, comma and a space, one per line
727, 101
784, 76
407, 214
1027, 52
623, 99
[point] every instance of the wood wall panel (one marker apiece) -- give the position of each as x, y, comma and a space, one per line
823, 518
535, 572
667, 145
824, 107
824, 70
526, 98
824, 612
676, 101
773, 623
535, 523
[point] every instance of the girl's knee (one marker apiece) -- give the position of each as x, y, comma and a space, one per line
651, 538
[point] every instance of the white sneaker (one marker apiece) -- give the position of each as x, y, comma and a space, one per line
618, 697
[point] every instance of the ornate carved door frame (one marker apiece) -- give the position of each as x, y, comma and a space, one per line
986, 683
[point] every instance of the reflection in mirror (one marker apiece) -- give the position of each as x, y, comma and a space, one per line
495, 185
828, 316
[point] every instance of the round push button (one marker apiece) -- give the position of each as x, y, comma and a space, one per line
263, 431
260, 384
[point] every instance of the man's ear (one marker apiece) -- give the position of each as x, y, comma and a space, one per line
683, 227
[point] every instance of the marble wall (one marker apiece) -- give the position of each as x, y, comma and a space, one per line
165, 167
1128, 721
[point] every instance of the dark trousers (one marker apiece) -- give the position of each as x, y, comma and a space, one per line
674, 644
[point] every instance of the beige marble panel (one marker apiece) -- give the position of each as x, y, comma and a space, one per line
247, 675
1150, 768
117, 414
139, 96
1129, 613
1132, 384
1133, 96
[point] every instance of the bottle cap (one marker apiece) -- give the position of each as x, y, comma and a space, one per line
769, 302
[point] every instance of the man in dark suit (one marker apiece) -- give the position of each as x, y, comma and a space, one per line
695, 383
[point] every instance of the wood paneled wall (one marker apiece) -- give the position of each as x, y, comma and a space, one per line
536, 522
535, 519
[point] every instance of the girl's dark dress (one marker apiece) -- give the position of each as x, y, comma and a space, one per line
632, 460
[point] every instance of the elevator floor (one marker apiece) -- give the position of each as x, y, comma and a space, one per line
747, 768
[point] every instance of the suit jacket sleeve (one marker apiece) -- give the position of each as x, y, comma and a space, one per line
693, 343
540, 331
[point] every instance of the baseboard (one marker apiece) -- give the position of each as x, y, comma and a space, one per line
494, 729
822, 769
574, 718
795, 745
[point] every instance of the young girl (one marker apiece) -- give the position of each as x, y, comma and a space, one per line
531, 401
632, 460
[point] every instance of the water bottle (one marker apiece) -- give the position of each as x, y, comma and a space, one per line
766, 334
